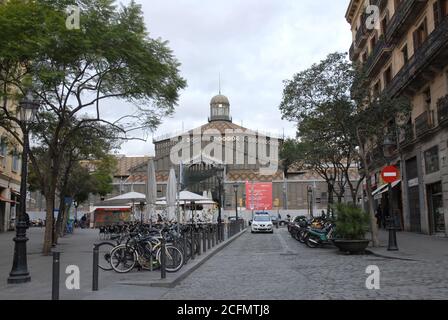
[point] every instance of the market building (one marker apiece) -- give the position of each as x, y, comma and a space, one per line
243, 164
405, 53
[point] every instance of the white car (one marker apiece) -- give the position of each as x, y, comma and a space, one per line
262, 223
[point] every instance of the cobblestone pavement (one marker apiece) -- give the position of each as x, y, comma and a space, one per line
259, 266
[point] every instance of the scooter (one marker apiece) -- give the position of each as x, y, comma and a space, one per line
319, 237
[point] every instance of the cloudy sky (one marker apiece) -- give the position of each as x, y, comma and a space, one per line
253, 44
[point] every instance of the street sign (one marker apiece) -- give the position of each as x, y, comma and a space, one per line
390, 174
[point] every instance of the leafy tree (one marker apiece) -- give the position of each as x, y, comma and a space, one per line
337, 118
75, 72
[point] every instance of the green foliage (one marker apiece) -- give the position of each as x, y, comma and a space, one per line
291, 153
103, 176
351, 222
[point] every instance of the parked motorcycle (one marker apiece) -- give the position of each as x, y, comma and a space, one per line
314, 238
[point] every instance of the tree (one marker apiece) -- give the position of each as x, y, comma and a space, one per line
336, 116
75, 72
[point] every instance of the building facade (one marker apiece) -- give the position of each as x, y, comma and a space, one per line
10, 168
220, 155
404, 50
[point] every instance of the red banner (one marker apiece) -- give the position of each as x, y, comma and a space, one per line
258, 195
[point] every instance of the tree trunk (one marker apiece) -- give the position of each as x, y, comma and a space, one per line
48, 239
373, 222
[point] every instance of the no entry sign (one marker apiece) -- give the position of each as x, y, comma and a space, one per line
390, 174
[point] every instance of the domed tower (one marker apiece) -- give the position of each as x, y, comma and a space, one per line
220, 109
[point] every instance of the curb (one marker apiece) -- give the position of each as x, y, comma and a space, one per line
389, 257
173, 283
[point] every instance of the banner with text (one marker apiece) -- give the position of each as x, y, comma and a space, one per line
259, 195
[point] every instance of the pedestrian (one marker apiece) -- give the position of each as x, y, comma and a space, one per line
386, 214
379, 216
83, 221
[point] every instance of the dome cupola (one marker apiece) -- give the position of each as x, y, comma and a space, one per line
220, 108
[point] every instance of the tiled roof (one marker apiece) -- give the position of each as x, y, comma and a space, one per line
125, 164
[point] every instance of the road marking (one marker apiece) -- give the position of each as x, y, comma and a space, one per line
286, 248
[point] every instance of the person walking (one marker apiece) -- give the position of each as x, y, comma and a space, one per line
379, 216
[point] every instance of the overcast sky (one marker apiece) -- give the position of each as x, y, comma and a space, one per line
254, 44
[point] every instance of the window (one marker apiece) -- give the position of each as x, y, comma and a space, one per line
387, 76
432, 160
385, 23
15, 161
427, 98
405, 54
376, 89
3, 152
440, 10
420, 35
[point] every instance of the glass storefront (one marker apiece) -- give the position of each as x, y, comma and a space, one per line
435, 206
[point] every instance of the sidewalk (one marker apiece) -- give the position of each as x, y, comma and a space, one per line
413, 246
77, 250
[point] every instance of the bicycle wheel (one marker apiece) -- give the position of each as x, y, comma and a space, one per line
104, 249
123, 259
174, 258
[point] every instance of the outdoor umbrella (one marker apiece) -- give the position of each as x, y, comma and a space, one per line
131, 196
151, 190
171, 194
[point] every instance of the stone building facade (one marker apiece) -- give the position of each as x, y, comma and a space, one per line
406, 54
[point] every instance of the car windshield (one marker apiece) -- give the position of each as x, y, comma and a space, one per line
261, 218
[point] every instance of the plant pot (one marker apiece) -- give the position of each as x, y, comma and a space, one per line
352, 246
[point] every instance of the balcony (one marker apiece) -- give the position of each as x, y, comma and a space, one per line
354, 52
405, 15
406, 135
378, 57
442, 110
423, 124
362, 33
431, 56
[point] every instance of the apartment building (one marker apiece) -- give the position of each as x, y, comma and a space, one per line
405, 53
10, 166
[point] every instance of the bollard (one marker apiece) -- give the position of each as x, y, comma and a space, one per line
163, 258
184, 235
55, 282
192, 244
204, 241
209, 240
198, 243
212, 235
95, 268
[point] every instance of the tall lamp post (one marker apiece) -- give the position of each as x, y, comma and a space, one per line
388, 146
235, 189
331, 182
27, 108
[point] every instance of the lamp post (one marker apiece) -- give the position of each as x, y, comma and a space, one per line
235, 189
388, 145
27, 108
331, 182
310, 200
219, 175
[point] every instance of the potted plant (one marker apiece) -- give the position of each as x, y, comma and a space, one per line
351, 226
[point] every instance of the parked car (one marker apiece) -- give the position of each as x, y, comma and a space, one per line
262, 223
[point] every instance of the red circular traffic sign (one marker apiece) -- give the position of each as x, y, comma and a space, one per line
390, 174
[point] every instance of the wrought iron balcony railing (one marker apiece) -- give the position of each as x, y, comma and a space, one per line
404, 16
362, 33
442, 110
433, 52
423, 123
378, 57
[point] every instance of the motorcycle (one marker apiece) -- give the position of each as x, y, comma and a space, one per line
319, 237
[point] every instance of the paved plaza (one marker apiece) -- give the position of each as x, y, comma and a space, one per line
252, 267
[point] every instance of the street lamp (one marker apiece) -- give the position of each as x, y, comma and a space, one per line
331, 182
235, 189
220, 176
310, 200
27, 108
388, 146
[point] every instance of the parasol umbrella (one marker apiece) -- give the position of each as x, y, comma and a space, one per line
151, 190
171, 194
130, 196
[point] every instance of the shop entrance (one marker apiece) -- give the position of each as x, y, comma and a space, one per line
435, 208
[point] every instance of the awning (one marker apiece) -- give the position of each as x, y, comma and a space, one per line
6, 200
384, 188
